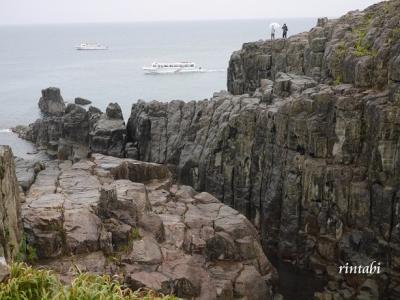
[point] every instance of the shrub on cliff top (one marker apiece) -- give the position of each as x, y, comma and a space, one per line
28, 283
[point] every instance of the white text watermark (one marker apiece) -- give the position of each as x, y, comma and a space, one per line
373, 268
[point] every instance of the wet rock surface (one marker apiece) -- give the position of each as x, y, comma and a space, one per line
122, 216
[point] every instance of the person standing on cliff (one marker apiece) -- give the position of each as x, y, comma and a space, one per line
285, 30
272, 32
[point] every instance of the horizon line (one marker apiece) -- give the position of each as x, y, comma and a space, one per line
161, 21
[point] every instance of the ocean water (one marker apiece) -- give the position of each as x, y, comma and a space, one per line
39, 56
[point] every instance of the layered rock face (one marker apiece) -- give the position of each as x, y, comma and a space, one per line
309, 155
10, 210
360, 48
73, 132
122, 216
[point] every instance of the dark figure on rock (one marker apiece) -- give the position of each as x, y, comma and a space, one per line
285, 30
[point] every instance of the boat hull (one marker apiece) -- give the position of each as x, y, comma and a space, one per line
150, 70
91, 49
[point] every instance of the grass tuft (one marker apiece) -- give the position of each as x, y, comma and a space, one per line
26, 252
28, 283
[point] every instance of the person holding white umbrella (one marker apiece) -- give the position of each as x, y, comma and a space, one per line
273, 27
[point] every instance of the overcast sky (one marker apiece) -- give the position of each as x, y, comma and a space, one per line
72, 11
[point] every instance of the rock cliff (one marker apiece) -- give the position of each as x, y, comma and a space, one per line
10, 209
309, 154
360, 48
305, 144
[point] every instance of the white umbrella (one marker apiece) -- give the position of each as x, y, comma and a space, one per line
274, 25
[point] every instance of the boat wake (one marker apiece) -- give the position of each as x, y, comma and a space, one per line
214, 70
5, 131
176, 68
186, 72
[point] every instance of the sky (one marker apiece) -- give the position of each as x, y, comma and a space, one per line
88, 11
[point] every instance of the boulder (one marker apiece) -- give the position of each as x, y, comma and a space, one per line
250, 286
152, 280
107, 135
26, 171
114, 111
76, 125
82, 101
51, 103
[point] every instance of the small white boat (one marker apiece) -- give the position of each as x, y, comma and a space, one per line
91, 46
171, 68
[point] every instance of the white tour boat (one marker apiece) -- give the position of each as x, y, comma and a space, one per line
91, 46
170, 68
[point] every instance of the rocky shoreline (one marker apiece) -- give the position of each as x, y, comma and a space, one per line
304, 144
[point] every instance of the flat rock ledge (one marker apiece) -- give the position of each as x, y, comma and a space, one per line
127, 218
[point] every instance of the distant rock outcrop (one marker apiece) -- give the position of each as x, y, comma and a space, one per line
51, 103
75, 132
109, 132
82, 101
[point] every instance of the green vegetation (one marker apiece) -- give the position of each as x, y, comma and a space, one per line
361, 47
28, 283
135, 234
394, 36
116, 257
340, 55
26, 252
338, 80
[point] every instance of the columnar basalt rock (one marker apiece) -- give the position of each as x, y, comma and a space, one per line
10, 210
159, 235
51, 103
360, 48
107, 134
74, 132
305, 144
314, 171
309, 154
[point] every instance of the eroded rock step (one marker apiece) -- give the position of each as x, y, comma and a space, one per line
152, 233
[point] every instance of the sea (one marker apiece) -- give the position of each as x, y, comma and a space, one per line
33, 57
